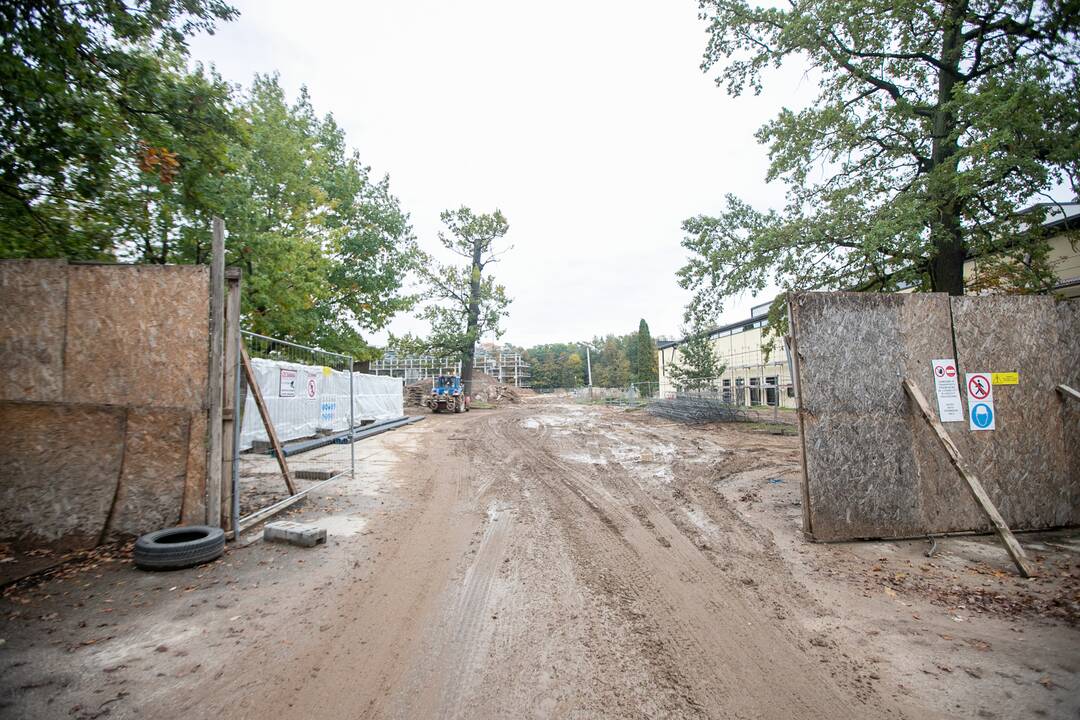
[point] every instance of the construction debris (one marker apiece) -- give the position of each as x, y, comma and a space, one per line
486, 389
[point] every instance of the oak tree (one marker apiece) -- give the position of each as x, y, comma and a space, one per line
935, 124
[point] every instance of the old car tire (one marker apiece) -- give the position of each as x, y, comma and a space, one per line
179, 547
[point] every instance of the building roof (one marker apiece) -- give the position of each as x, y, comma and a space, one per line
716, 331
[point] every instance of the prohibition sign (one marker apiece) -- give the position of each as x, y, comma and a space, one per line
978, 387
312, 388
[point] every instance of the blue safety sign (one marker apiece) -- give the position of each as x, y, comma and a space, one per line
982, 416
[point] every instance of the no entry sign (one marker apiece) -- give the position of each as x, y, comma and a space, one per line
950, 406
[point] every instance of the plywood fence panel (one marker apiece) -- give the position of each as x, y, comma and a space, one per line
33, 294
58, 470
1022, 463
1068, 316
861, 463
873, 468
137, 335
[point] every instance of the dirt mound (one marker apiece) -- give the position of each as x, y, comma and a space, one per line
488, 389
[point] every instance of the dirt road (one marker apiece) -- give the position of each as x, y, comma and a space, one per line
547, 561
539, 579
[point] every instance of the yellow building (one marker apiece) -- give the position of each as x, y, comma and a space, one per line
749, 379
1064, 258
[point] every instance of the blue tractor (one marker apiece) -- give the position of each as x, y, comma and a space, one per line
447, 394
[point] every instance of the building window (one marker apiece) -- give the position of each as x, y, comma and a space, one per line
739, 397
755, 391
727, 390
772, 394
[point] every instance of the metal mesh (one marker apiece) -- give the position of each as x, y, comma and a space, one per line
309, 395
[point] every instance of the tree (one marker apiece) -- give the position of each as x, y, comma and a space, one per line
934, 124
645, 368
610, 362
324, 247
100, 119
465, 304
556, 365
697, 367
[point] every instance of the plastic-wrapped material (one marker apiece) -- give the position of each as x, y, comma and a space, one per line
308, 400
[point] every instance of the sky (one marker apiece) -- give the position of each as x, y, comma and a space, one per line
589, 124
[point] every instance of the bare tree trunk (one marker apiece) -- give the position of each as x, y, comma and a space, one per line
468, 354
947, 261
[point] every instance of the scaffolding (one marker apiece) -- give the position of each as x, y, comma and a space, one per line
503, 363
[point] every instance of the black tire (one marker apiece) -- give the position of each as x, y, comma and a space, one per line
179, 547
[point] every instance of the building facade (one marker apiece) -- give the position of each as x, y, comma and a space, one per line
753, 378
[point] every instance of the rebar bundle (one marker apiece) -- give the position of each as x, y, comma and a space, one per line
697, 409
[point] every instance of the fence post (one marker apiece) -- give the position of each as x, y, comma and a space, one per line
352, 422
230, 412
217, 329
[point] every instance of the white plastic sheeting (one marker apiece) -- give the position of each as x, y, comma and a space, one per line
306, 400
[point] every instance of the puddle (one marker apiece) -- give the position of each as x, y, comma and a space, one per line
341, 525
584, 459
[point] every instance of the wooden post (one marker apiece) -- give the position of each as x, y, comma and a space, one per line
1016, 552
253, 387
217, 331
1067, 392
230, 413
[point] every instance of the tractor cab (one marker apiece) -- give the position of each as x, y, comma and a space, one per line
447, 394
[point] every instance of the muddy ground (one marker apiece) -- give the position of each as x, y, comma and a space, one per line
556, 560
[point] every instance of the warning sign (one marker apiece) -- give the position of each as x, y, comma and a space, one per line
981, 415
950, 405
1006, 378
312, 387
287, 383
979, 386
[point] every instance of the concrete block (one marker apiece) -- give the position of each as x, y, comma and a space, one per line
315, 474
294, 533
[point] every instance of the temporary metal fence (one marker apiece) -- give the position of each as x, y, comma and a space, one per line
310, 394
760, 395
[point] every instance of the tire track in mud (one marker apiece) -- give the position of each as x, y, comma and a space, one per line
714, 653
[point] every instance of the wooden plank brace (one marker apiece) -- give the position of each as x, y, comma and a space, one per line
249, 373
1016, 552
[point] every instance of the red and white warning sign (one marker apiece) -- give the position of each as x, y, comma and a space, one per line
981, 415
287, 383
312, 387
950, 405
979, 386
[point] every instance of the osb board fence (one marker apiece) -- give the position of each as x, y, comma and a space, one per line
103, 400
871, 464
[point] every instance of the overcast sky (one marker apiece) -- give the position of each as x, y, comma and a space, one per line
589, 124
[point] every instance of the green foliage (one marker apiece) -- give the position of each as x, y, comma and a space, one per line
697, 367
615, 362
556, 365
645, 360
934, 124
88, 86
324, 247
463, 305
111, 148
